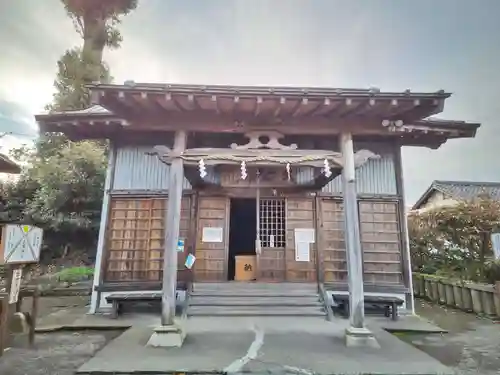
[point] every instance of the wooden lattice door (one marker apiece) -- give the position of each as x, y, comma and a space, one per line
272, 233
135, 238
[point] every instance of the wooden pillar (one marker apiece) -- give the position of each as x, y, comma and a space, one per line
172, 225
405, 240
352, 235
99, 263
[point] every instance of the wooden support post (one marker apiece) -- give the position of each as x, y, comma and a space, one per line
356, 334
172, 225
352, 236
99, 261
405, 239
34, 313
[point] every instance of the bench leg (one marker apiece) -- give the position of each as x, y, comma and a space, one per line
115, 309
387, 311
346, 309
394, 312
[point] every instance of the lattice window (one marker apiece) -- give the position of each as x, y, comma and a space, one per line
272, 228
135, 239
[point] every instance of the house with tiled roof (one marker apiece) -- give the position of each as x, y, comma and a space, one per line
446, 193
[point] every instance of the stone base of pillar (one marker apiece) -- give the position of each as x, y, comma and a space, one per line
360, 337
167, 337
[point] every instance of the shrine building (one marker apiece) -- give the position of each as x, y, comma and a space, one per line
261, 173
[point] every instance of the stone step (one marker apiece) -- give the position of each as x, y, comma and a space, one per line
253, 311
252, 293
254, 301
252, 287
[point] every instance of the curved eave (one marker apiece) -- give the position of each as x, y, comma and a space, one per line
249, 102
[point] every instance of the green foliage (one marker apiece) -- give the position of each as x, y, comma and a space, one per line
455, 240
62, 193
74, 274
74, 72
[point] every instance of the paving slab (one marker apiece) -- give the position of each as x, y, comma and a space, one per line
284, 345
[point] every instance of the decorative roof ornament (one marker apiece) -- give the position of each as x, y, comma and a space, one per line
243, 170
288, 171
391, 125
202, 169
326, 169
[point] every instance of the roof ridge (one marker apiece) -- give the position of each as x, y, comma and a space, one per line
470, 183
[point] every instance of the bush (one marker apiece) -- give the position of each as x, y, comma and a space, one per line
455, 241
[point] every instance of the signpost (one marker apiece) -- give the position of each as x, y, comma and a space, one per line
20, 244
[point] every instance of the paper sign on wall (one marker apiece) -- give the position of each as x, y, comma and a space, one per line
210, 234
180, 245
305, 235
190, 259
302, 252
495, 242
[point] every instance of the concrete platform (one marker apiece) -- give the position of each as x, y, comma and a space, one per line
285, 345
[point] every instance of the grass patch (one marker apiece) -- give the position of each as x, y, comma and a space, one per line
74, 274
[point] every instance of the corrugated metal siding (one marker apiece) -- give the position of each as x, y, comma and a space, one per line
135, 170
304, 175
377, 176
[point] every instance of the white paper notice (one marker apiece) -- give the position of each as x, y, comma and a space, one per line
212, 234
305, 235
15, 287
302, 251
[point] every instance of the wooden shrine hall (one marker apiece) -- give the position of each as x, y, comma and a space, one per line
305, 183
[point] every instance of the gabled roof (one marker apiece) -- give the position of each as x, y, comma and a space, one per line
460, 190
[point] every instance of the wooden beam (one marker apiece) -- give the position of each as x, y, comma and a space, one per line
257, 108
298, 109
172, 225
216, 103
279, 107
352, 235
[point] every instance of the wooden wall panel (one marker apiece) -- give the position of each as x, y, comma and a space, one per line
333, 241
135, 238
211, 257
300, 214
381, 243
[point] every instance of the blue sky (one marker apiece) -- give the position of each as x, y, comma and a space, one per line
390, 44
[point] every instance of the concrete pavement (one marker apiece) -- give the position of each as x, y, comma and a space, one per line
276, 345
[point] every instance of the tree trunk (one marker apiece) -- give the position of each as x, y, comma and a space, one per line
94, 41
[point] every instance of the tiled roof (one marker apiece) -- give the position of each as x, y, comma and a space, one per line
461, 190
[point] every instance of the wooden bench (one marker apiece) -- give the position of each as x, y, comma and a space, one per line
118, 299
389, 303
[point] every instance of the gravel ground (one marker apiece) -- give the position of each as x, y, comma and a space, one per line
59, 353
54, 353
471, 346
